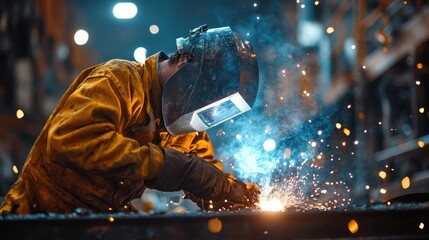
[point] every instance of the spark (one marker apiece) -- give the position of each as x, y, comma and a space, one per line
305, 93
346, 131
382, 174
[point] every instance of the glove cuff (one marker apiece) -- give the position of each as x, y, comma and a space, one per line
192, 174
172, 173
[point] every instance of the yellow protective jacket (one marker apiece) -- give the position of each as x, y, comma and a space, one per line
100, 143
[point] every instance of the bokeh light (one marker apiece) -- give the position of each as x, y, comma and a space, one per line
140, 54
269, 145
81, 37
154, 29
353, 226
19, 114
214, 225
124, 10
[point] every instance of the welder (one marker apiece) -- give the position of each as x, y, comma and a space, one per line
124, 126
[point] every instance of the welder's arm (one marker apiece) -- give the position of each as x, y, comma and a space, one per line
86, 133
199, 178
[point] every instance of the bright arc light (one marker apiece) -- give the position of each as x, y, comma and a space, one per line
140, 54
81, 37
269, 145
271, 205
125, 10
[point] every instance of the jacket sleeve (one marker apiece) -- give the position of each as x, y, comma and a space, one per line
202, 146
86, 133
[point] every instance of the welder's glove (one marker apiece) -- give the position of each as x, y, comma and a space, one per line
200, 178
250, 190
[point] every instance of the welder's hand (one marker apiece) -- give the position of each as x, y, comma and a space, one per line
249, 193
202, 179
250, 196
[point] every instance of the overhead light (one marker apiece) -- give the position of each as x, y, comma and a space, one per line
125, 10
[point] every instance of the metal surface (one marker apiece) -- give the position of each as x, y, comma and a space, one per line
384, 222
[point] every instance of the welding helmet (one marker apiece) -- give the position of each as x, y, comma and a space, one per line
219, 81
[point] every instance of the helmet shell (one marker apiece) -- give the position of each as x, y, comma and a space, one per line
219, 82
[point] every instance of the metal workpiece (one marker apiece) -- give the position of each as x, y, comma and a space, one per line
400, 221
